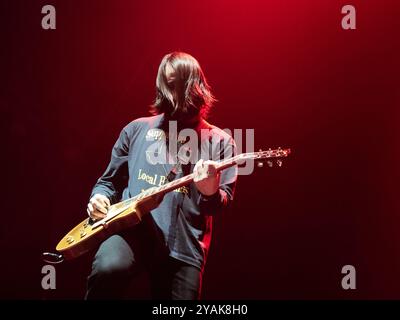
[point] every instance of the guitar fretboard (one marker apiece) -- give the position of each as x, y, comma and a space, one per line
169, 186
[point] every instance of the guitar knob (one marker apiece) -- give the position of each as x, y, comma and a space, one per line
260, 164
270, 163
279, 163
82, 233
70, 239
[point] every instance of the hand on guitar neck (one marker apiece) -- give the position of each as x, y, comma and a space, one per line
206, 177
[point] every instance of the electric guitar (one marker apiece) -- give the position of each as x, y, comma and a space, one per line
89, 234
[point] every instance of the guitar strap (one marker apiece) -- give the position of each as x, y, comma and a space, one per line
172, 174
183, 159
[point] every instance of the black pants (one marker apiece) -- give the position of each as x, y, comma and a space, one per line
121, 257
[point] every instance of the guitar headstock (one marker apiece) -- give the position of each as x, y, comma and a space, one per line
269, 156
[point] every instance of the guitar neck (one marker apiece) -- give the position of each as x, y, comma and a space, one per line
224, 164
175, 184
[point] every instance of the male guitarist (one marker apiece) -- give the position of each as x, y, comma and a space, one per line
172, 241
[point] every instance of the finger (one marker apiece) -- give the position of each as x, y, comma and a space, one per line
201, 175
205, 172
100, 207
97, 215
94, 214
103, 200
206, 166
90, 208
201, 163
197, 171
198, 165
107, 201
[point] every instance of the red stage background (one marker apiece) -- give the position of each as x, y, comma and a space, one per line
285, 68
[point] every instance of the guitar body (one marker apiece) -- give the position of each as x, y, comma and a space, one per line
87, 235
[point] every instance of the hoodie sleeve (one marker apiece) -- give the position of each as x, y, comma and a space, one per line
115, 178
